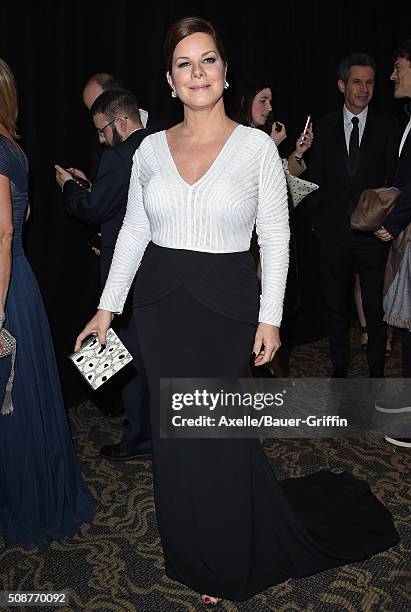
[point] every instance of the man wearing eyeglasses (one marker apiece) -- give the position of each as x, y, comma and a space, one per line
117, 120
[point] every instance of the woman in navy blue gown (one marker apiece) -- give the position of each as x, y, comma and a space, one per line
42, 494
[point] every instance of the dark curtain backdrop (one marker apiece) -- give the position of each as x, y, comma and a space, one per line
53, 46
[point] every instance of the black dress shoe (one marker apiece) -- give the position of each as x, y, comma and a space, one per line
339, 373
115, 452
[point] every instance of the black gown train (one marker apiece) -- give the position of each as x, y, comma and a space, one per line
228, 527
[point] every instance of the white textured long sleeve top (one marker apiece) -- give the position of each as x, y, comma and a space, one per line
245, 185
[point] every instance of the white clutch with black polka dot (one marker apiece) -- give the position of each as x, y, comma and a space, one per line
98, 364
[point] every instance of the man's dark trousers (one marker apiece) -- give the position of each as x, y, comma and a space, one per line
338, 261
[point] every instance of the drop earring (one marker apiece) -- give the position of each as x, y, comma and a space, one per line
173, 93
226, 85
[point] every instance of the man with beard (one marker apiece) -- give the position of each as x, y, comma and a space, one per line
117, 120
355, 149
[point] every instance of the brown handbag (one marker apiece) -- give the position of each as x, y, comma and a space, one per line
373, 208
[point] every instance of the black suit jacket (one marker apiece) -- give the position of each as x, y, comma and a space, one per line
400, 216
339, 190
105, 204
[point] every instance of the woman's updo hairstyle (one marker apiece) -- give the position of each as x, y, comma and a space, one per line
185, 27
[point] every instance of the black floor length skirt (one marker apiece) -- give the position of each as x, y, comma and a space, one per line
228, 527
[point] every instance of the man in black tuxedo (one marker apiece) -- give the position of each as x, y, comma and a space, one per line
355, 149
117, 120
396, 222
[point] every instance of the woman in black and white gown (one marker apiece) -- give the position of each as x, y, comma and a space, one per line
228, 527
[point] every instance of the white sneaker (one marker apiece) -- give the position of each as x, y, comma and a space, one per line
404, 442
394, 404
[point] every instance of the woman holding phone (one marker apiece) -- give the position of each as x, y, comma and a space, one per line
254, 108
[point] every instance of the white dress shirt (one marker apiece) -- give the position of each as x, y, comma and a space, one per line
404, 136
143, 116
362, 118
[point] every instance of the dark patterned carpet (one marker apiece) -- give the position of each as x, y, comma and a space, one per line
115, 563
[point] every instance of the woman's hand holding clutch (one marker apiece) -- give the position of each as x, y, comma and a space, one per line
97, 326
266, 343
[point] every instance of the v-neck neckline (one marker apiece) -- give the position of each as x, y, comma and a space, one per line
211, 167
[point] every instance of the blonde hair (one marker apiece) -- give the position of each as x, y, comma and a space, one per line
8, 100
